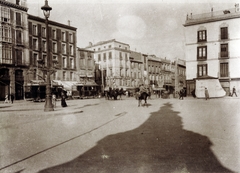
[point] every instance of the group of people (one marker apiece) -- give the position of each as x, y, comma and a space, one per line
63, 99
9, 98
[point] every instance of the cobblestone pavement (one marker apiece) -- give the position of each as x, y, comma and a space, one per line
98, 135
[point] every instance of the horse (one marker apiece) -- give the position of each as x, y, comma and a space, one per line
112, 93
141, 96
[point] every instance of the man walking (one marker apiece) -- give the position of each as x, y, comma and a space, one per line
181, 94
234, 91
12, 98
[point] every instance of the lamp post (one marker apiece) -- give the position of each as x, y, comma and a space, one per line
48, 99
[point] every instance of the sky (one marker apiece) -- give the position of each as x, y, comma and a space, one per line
153, 27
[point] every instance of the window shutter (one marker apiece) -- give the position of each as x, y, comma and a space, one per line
30, 42
39, 30
30, 28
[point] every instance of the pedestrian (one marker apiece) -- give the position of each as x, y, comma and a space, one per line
234, 91
181, 94
63, 99
6, 99
54, 100
206, 94
12, 98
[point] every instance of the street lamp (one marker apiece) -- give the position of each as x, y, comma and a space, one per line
48, 100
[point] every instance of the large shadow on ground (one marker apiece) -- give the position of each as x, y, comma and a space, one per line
159, 145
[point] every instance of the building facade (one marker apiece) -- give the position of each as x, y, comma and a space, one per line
85, 66
212, 48
136, 69
180, 74
113, 58
62, 46
14, 54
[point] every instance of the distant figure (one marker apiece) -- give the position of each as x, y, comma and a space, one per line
63, 99
206, 94
181, 94
193, 93
12, 98
6, 99
54, 100
234, 91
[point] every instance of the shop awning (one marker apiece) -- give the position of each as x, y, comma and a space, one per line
38, 82
67, 85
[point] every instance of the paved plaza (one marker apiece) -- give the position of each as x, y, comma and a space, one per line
98, 135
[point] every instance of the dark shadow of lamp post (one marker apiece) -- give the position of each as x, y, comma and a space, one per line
48, 99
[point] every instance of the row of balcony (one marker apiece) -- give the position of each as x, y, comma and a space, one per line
221, 55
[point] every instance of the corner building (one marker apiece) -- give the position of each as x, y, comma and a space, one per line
113, 58
62, 43
212, 48
14, 54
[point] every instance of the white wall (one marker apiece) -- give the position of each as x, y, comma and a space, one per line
213, 48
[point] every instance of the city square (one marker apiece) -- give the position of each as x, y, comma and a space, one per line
99, 135
72, 74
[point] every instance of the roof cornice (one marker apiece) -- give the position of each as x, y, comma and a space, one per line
9, 4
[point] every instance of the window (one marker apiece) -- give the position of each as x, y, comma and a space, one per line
109, 46
126, 57
6, 56
70, 37
64, 62
64, 75
99, 57
224, 50
202, 70
54, 35
202, 36
224, 33
35, 44
18, 19
19, 39
64, 48
120, 55
104, 56
44, 46
19, 57
44, 58
110, 55
34, 30
5, 34
71, 50
43, 31
71, 75
72, 63
224, 69
5, 14
54, 47
202, 53
63, 36
35, 58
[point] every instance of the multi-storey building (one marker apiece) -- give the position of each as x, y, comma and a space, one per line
62, 46
136, 69
212, 48
85, 64
154, 71
167, 75
180, 74
14, 54
113, 57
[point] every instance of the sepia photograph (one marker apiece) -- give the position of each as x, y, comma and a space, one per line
119, 86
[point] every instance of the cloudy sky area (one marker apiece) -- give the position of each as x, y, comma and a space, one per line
148, 26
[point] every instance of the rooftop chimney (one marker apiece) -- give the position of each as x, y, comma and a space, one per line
69, 22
